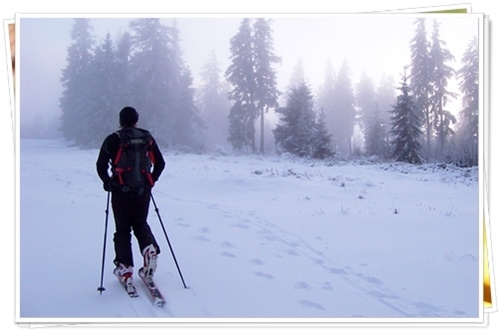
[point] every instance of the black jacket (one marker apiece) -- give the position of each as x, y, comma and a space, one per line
108, 152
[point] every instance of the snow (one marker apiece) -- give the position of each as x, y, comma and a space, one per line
255, 237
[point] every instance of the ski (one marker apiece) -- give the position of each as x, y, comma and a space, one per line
158, 299
128, 286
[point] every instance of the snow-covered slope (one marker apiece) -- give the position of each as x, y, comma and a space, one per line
255, 237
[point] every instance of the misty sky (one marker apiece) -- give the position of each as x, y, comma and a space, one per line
377, 44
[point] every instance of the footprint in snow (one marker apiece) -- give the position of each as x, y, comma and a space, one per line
264, 275
310, 304
381, 295
241, 226
427, 307
180, 221
227, 244
228, 254
338, 271
327, 286
371, 280
302, 286
202, 238
257, 262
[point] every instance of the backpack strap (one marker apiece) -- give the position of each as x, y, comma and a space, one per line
123, 145
119, 171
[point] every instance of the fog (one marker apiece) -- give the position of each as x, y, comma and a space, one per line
375, 44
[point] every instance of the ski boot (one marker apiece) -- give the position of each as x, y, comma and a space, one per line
150, 261
124, 274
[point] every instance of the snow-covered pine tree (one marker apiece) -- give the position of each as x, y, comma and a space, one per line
152, 72
213, 103
376, 135
342, 117
384, 97
266, 81
186, 118
123, 55
240, 135
405, 127
468, 76
420, 78
440, 74
295, 132
104, 93
162, 88
76, 79
240, 74
325, 99
321, 140
297, 77
365, 100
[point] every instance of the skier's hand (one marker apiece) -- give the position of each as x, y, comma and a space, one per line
106, 186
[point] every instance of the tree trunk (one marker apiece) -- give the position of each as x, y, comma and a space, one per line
262, 131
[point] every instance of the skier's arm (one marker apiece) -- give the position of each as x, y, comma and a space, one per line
107, 151
102, 164
159, 164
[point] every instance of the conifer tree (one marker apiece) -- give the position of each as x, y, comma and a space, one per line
421, 78
104, 93
123, 55
296, 79
468, 76
186, 119
75, 79
297, 75
376, 135
152, 71
342, 117
440, 74
322, 139
253, 79
240, 74
384, 97
325, 97
295, 132
266, 81
405, 127
162, 85
213, 103
365, 100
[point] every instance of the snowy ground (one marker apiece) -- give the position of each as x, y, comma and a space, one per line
255, 237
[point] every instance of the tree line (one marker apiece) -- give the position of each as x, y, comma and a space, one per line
406, 121
144, 68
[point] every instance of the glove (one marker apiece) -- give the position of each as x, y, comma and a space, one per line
106, 186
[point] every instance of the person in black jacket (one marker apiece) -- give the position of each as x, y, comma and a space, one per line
130, 205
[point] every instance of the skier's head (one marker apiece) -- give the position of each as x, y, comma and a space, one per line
128, 116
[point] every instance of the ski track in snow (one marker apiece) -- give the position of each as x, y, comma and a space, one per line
370, 287
254, 237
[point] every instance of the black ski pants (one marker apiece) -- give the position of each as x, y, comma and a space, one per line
130, 210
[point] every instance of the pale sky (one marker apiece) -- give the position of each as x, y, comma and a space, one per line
375, 43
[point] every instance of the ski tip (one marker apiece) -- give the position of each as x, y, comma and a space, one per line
159, 304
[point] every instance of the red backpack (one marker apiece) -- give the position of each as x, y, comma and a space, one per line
133, 162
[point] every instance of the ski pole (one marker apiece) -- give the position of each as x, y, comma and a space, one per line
101, 288
168, 241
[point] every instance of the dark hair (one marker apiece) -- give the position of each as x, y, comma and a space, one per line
128, 116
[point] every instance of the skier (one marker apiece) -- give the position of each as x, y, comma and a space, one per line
124, 150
